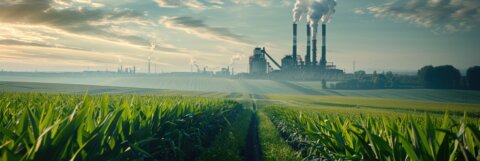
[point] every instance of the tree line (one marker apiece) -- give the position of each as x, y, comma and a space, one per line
433, 77
449, 77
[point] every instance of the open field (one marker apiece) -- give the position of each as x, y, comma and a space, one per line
93, 89
349, 104
37, 126
176, 83
368, 128
219, 86
360, 125
320, 135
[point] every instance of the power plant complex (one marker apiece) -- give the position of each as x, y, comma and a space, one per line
293, 67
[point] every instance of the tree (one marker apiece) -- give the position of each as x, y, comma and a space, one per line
360, 74
473, 77
447, 77
379, 81
426, 75
443, 77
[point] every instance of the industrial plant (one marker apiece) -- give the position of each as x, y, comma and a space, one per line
293, 67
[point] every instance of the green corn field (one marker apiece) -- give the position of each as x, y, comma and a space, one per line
73, 127
338, 136
109, 127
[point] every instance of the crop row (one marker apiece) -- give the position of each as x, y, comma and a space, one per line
117, 127
319, 136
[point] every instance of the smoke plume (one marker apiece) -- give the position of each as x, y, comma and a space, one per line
193, 62
320, 11
119, 59
317, 11
300, 8
235, 58
153, 45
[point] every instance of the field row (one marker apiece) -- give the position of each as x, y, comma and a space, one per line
341, 136
37, 126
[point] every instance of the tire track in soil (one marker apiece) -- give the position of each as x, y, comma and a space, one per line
252, 151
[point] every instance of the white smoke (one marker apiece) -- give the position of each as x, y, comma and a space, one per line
300, 8
317, 11
236, 58
320, 11
193, 62
119, 58
153, 45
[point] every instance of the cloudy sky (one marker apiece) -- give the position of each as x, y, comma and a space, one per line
77, 35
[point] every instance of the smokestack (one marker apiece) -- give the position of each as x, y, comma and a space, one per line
314, 52
148, 65
307, 56
294, 52
323, 61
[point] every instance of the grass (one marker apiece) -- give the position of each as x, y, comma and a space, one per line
229, 144
152, 85
274, 148
36, 126
362, 103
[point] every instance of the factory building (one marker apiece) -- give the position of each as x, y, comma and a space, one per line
258, 62
224, 72
293, 67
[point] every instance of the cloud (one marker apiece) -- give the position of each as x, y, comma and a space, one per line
438, 15
23, 43
191, 4
54, 56
263, 3
77, 3
207, 4
198, 27
70, 18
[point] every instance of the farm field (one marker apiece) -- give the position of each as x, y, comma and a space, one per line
127, 123
176, 83
38, 126
93, 89
219, 86
366, 128
349, 104
329, 135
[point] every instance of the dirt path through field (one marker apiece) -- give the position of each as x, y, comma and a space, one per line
253, 151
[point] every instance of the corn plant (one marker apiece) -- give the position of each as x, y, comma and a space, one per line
396, 138
37, 126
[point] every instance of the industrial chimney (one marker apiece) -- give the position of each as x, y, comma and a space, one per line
148, 65
307, 56
323, 61
314, 51
294, 52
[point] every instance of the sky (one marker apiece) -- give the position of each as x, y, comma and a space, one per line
382, 35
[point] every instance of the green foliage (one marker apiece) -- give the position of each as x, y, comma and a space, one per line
229, 144
274, 148
36, 126
388, 137
440, 77
473, 77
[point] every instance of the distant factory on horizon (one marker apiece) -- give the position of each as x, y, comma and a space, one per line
292, 65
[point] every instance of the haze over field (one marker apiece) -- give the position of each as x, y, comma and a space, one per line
216, 87
77, 35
